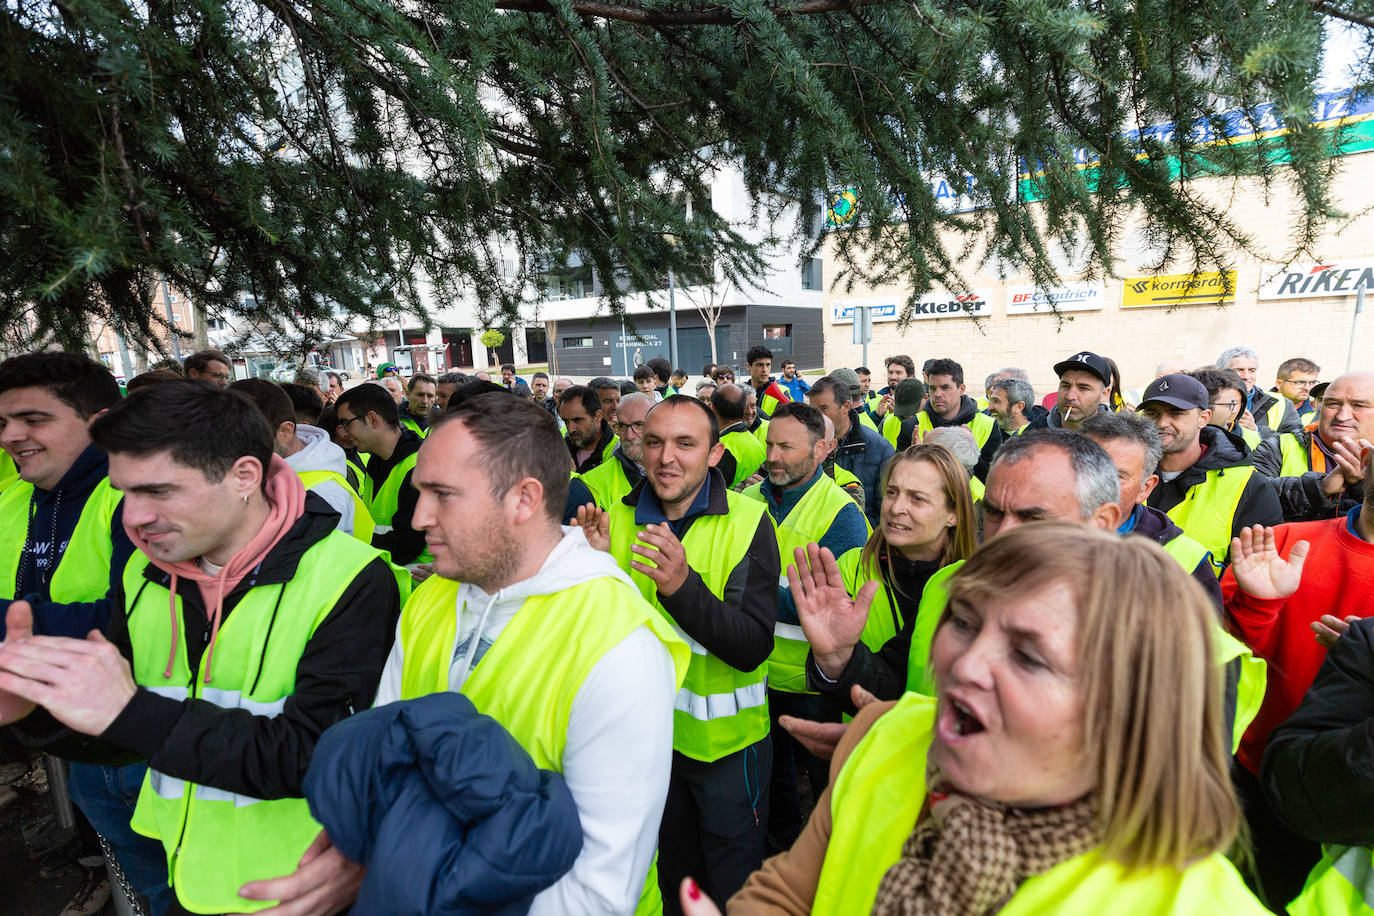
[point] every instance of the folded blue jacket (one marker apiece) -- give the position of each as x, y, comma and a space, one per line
447, 811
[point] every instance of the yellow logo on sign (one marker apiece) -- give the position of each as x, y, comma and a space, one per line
1206, 288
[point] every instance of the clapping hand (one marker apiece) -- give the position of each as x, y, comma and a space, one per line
595, 523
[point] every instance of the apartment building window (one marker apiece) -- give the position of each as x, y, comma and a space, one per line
573, 342
811, 274
777, 331
573, 283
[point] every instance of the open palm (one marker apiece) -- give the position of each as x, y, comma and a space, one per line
1259, 569
832, 620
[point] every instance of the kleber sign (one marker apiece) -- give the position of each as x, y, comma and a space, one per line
932, 305
1204, 288
1308, 281
1072, 297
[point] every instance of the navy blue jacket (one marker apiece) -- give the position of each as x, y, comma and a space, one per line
444, 807
54, 515
862, 452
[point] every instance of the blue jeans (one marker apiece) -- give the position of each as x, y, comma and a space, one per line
107, 795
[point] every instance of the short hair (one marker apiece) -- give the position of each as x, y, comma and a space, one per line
643, 372
584, 393
626, 386
268, 397
518, 439
473, 388
200, 360
728, 403
906, 362
756, 353
334, 376
419, 377
1218, 380
722, 371
307, 402
365, 399
707, 369
959, 441
75, 379
1095, 481
151, 377
210, 428
945, 367
833, 386
987, 382
1018, 392
1105, 426
1223, 361
678, 373
601, 383
679, 400
704, 384
806, 415
788, 362
863, 370
1144, 630
543, 375
508, 366
171, 365
1296, 364
1013, 372
661, 368
451, 378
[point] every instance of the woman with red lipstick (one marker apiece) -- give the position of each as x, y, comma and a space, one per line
1073, 759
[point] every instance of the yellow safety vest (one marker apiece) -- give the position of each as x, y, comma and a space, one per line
866, 420
9, 471
217, 840
768, 403
1341, 884
719, 709
976, 488
806, 523
83, 572
1208, 510
413, 425
362, 513
1254, 673
387, 499
532, 673
879, 794
1298, 460
761, 433
920, 676
981, 426
892, 427
749, 453
608, 482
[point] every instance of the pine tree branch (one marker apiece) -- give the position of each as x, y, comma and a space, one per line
1330, 9
711, 15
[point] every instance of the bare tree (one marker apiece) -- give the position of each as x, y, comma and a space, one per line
709, 300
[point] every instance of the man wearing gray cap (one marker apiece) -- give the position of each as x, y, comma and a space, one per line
859, 450
1207, 484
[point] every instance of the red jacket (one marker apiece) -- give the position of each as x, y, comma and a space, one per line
1338, 579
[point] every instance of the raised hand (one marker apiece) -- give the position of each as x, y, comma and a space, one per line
1258, 568
832, 620
596, 525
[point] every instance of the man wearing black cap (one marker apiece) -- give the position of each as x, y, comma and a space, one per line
1207, 484
1084, 379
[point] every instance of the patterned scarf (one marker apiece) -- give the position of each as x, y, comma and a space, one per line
967, 858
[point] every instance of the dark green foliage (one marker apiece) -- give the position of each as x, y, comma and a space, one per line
422, 142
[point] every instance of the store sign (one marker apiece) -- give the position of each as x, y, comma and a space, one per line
1071, 297
1308, 281
1204, 288
932, 305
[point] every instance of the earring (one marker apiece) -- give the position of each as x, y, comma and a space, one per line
245, 500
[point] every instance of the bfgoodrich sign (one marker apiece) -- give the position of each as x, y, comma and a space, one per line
1307, 281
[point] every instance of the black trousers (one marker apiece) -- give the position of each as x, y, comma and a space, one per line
787, 810
713, 823
1282, 859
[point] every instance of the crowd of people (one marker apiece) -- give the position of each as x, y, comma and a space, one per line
786, 644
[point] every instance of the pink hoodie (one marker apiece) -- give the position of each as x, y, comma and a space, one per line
286, 502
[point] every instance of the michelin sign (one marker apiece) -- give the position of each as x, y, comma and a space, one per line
1309, 281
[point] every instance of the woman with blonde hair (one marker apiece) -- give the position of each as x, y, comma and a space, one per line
879, 631
1072, 761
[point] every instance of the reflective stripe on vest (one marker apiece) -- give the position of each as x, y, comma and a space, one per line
217, 840
981, 426
1226, 648
607, 481
532, 673
1208, 510
748, 451
362, 513
83, 571
715, 545
879, 793
806, 523
1341, 884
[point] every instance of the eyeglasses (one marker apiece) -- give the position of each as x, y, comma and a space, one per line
343, 424
1229, 405
622, 428
1301, 382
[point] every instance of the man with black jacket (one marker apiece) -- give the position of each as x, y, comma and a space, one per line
861, 451
948, 405
280, 627
709, 559
370, 416
1207, 484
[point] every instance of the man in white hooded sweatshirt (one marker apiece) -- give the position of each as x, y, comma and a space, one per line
308, 450
544, 634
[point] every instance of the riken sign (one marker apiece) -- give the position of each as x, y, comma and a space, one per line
933, 305
1308, 281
